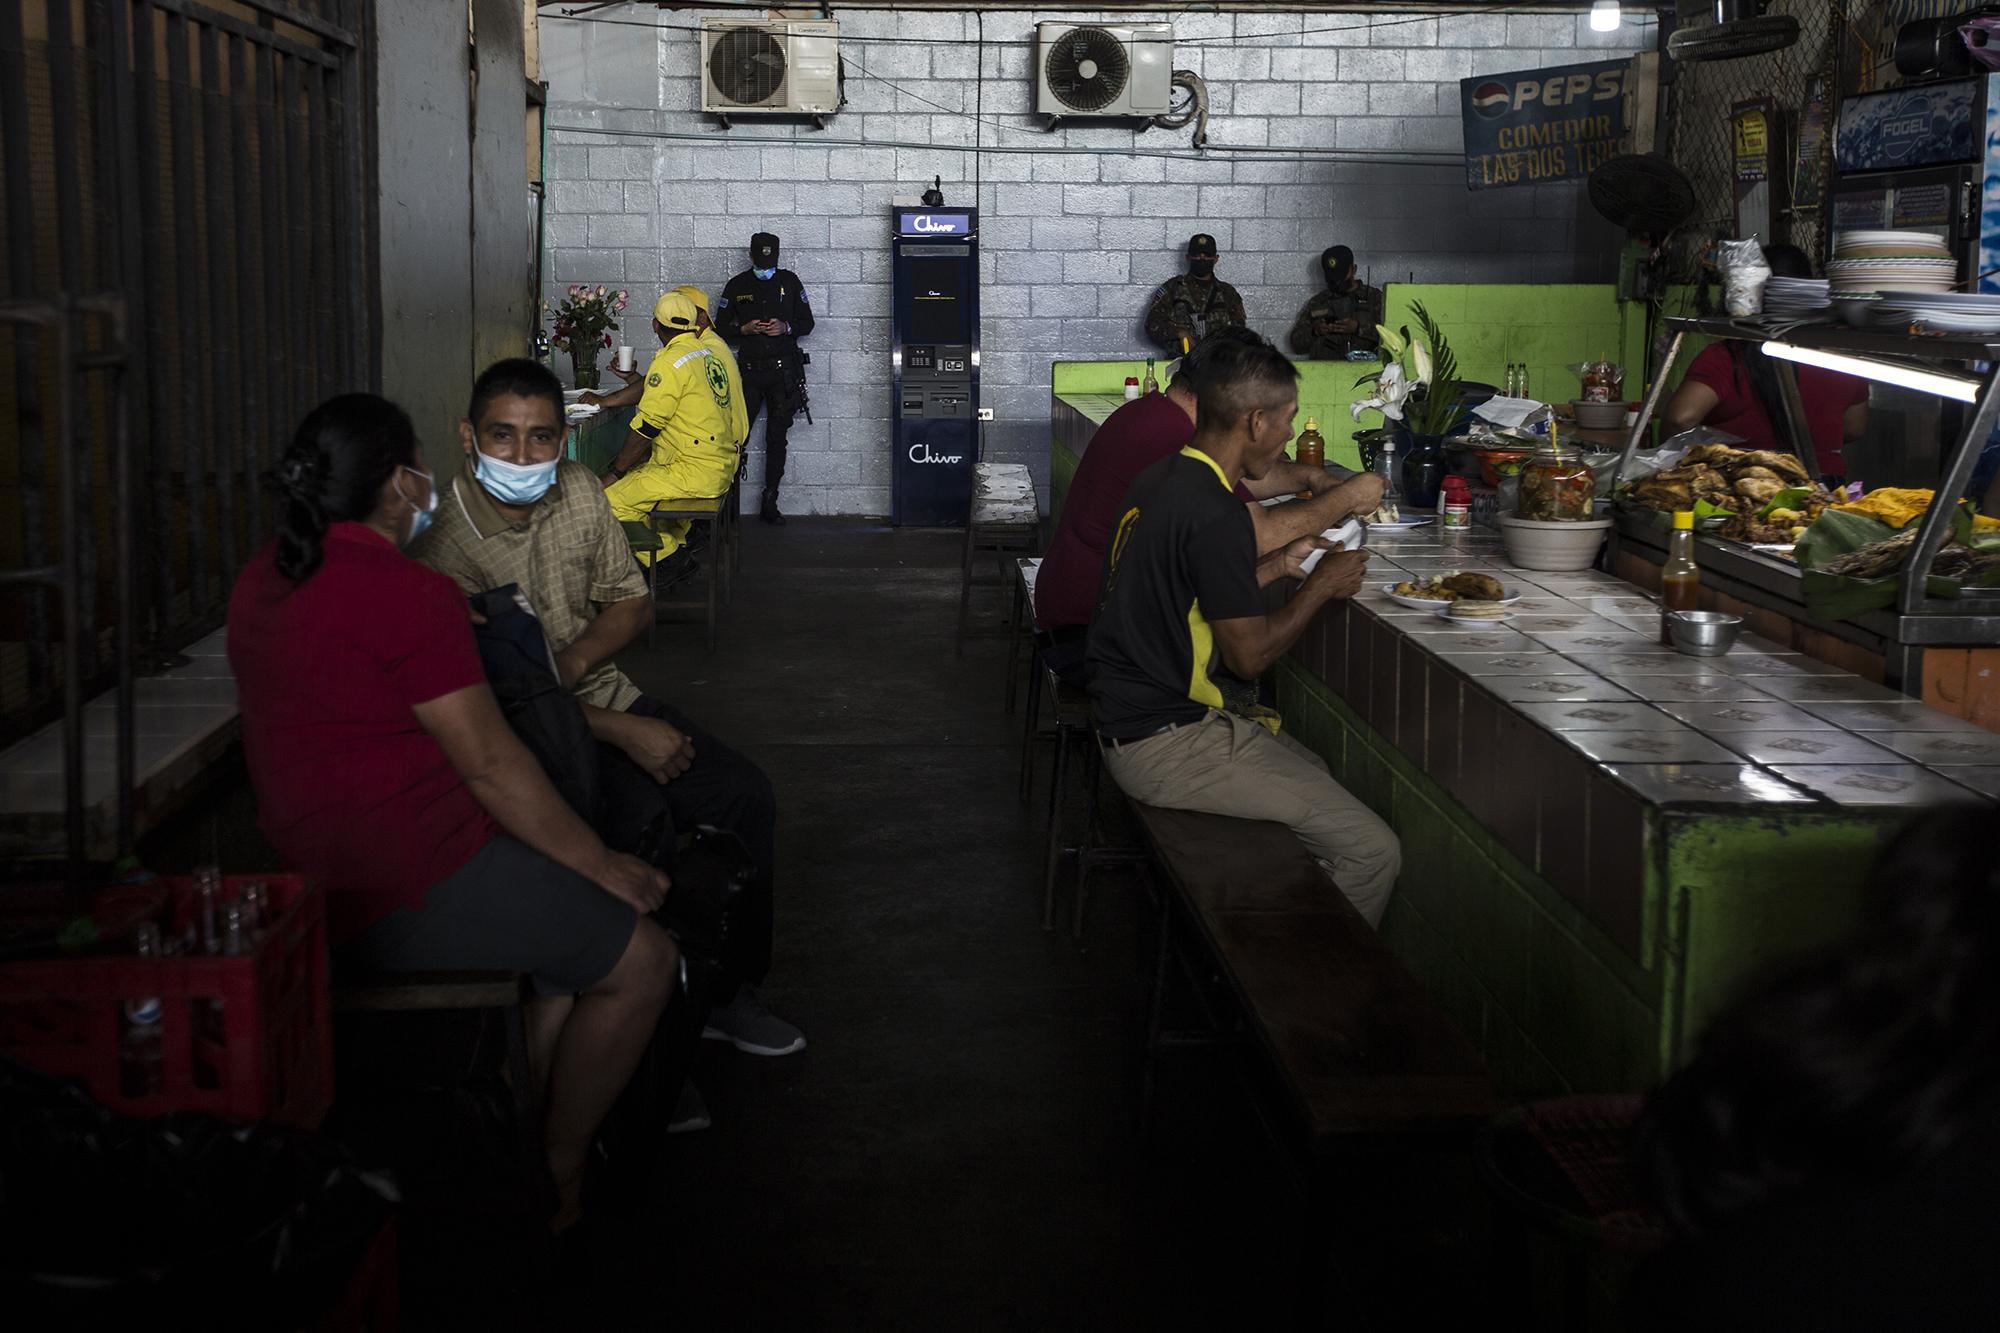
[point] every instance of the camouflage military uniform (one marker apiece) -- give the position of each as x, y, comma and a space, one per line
1180, 308
1360, 303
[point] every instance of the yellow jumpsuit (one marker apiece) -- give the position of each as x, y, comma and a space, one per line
692, 411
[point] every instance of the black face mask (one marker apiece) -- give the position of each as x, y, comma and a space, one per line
1202, 268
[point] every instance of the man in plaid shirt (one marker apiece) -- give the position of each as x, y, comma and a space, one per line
519, 512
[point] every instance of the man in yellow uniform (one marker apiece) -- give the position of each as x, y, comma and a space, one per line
685, 438
705, 334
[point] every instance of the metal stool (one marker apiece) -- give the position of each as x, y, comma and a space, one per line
1005, 521
1023, 626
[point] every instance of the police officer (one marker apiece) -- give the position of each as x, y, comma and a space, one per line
1189, 306
1342, 318
764, 313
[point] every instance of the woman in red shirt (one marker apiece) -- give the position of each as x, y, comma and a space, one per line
1733, 387
385, 771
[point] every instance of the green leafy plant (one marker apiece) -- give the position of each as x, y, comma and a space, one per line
1417, 380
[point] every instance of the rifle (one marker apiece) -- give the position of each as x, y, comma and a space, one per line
799, 384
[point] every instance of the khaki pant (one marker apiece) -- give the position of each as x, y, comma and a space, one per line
1227, 765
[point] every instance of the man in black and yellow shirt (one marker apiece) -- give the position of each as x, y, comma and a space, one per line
1181, 591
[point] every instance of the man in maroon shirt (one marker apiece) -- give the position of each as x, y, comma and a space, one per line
1132, 439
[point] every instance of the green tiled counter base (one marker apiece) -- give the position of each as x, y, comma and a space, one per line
1554, 1005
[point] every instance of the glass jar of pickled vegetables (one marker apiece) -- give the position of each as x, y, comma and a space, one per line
1557, 486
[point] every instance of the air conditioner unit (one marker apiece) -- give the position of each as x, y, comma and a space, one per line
1093, 70
770, 68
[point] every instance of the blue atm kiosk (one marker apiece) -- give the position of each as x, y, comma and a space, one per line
935, 356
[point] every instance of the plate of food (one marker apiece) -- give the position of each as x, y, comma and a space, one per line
1437, 592
1399, 524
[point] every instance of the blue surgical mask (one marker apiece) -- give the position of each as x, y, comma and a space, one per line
765, 274
421, 519
515, 483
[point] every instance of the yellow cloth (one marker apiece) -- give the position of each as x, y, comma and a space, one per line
692, 410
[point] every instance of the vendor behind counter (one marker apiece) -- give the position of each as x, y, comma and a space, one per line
1733, 387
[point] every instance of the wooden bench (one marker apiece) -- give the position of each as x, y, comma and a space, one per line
719, 513
1358, 1052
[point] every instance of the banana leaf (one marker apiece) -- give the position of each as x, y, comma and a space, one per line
1843, 596
1789, 498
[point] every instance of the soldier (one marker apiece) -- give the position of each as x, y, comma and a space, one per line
1342, 318
1191, 305
764, 312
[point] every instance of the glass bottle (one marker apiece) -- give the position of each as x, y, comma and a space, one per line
1390, 510
141, 1048
1151, 384
1680, 577
1309, 450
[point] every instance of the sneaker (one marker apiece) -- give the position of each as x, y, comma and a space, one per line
748, 1026
690, 1111
676, 569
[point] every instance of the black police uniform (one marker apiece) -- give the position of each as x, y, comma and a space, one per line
770, 365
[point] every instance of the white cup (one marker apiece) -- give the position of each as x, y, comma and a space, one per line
625, 358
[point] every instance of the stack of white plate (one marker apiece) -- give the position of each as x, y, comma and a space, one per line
1903, 261
1939, 312
1794, 297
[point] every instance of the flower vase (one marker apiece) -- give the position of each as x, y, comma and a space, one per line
583, 356
1424, 467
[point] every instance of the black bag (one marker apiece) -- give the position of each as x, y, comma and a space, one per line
709, 873
546, 716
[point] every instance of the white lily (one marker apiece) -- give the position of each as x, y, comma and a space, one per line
1421, 355
1390, 391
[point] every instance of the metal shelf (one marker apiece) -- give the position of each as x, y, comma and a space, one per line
1918, 619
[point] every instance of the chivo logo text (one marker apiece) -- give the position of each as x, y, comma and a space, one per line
926, 222
920, 452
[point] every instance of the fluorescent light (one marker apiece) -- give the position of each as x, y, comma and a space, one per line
1882, 372
1604, 16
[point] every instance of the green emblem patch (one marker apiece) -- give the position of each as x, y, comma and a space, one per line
653, 380
718, 382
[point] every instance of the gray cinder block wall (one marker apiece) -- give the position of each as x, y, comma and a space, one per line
1072, 243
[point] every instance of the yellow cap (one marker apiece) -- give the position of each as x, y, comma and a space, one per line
1312, 423
694, 294
1684, 520
675, 311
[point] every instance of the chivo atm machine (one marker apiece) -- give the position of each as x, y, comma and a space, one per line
936, 361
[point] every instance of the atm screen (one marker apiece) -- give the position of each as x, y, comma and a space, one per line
933, 313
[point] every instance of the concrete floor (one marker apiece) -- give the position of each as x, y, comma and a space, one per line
956, 1148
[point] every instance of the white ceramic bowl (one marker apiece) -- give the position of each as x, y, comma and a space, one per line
1534, 544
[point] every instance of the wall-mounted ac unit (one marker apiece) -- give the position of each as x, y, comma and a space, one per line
1093, 70
770, 68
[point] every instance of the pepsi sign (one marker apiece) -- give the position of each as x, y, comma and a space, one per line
933, 224
1534, 126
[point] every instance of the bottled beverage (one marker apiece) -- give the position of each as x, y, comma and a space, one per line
207, 901
1512, 384
141, 1050
1521, 389
1310, 448
256, 909
1391, 508
235, 931
1680, 577
1152, 382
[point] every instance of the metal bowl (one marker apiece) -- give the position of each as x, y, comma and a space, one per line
1703, 633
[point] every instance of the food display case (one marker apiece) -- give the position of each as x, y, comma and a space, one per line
1924, 642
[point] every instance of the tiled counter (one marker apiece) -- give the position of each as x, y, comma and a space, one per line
1602, 837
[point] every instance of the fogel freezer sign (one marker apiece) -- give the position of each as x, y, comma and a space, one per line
1540, 125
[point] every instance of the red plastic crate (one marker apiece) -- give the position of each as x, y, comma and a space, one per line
273, 1058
